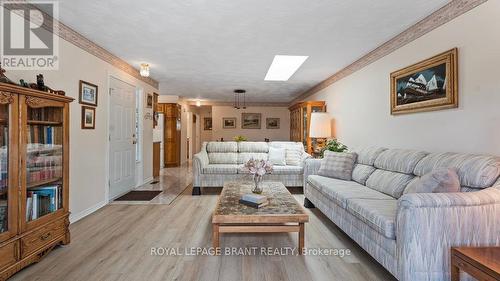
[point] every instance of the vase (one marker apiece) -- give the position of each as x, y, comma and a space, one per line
257, 184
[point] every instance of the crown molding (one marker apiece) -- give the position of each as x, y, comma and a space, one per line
75, 38
248, 104
445, 14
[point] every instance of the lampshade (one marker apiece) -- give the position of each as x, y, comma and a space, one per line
320, 125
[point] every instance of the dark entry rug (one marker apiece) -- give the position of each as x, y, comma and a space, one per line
139, 195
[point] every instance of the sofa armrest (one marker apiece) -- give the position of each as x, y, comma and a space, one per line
304, 158
429, 224
311, 168
200, 160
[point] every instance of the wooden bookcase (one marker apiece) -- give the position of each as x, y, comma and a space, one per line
34, 183
300, 121
171, 133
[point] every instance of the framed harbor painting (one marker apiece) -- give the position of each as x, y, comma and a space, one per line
229, 123
428, 85
250, 120
272, 123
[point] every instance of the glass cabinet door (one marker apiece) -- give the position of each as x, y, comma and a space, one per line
8, 186
44, 138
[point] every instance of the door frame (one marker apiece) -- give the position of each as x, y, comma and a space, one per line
111, 76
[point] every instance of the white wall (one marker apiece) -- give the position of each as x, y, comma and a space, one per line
283, 133
359, 104
89, 148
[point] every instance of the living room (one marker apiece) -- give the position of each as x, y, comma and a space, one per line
248, 140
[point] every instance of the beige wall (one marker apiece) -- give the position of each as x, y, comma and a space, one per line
359, 104
205, 112
89, 148
218, 112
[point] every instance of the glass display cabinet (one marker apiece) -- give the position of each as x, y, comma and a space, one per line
300, 120
34, 183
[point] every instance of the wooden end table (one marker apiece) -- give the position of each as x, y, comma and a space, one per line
482, 263
283, 214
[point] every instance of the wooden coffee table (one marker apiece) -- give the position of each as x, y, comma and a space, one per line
482, 263
283, 214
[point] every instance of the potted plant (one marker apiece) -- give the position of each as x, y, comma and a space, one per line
239, 138
333, 145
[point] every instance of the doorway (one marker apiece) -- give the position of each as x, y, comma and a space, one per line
122, 139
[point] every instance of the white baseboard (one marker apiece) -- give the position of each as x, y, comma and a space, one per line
76, 217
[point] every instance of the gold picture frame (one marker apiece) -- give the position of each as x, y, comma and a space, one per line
426, 86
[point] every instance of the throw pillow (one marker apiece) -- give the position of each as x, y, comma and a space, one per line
293, 156
437, 181
277, 156
338, 165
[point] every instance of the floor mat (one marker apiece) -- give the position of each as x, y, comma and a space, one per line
139, 195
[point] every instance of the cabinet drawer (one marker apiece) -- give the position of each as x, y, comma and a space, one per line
9, 254
41, 236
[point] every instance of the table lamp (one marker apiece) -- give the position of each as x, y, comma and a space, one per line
320, 129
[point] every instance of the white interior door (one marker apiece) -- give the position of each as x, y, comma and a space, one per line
121, 138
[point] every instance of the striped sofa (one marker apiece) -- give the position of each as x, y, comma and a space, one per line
410, 234
218, 162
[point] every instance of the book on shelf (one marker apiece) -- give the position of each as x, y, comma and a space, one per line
44, 134
254, 205
42, 200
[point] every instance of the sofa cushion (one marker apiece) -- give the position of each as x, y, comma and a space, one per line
368, 155
390, 183
229, 146
361, 173
250, 146
340, 191
294, 151
223, 158
438, 181
476, 171
399, 160
337, 165
378, 214
277, 156
245, 156
288, 170
221, 169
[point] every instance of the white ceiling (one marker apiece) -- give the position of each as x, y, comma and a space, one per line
205, 49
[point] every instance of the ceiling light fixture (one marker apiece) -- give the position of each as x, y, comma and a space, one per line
237, 99
283, 67
144, 70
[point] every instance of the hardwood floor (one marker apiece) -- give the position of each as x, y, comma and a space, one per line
115, 243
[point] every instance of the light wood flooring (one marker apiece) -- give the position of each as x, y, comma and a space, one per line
115, 242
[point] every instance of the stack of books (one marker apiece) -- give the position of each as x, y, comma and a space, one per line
254, 200
43, 200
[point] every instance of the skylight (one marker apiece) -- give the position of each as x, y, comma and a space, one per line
283, 67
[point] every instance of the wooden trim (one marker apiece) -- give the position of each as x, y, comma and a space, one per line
258, 228
447, 13
68, 34
4, 87
248, 104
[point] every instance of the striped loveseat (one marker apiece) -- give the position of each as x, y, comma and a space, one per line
218, 162
411, 234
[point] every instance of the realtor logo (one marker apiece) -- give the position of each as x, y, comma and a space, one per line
27, 35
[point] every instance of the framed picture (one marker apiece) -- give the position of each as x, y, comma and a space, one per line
149, 101
250, 120
229, 123
428, 85
272, 123
207, 123
88, 117
88, 93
